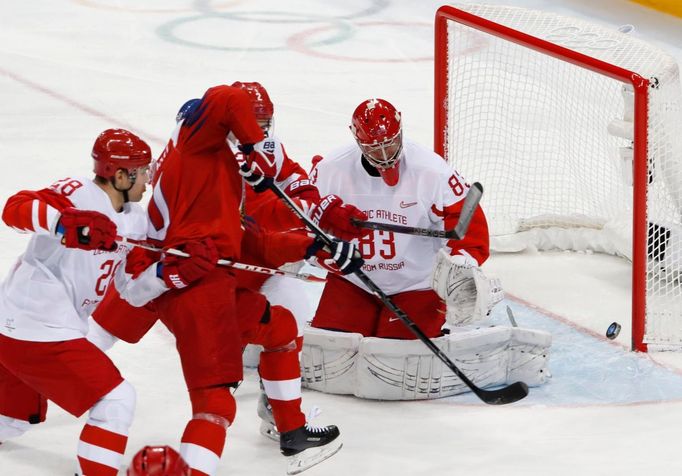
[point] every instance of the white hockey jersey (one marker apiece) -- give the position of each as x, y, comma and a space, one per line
427, 186
51, 290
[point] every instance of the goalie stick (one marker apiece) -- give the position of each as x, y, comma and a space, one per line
509, 394
471, 201
224, 262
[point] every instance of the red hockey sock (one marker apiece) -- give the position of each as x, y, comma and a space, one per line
202, 445
100, 451
281, 374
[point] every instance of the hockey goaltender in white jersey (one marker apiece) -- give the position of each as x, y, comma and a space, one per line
356, 345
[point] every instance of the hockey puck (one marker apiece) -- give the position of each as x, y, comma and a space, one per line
613, 331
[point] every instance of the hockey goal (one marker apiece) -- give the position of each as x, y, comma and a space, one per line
575, 131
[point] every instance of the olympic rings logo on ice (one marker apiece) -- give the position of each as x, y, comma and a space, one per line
575, 38
116, 6
269, 31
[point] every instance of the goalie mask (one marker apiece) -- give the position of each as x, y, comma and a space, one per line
376, 126
120, 149
261, 104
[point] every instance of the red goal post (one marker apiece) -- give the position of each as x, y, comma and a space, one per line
574, 130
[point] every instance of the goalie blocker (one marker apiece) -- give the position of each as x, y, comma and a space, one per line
392, 369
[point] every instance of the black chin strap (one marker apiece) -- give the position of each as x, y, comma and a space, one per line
124, 191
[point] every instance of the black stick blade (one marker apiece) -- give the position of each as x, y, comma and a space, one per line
471, 201
502, 396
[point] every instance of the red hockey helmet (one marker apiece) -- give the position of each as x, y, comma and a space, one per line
119, 149
260, 101
377, 128
158, 461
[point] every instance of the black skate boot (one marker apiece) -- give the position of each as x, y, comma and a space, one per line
267, 424
309, 445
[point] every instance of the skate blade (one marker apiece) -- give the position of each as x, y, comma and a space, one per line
307, 459
269, 431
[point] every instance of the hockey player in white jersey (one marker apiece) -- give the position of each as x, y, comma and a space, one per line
395, 181
49, 293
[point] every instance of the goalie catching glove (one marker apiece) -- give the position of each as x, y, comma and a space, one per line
469, 294
343, 258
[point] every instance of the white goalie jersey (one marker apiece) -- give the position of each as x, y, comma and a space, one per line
426, 189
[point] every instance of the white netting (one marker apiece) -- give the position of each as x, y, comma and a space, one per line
552, 144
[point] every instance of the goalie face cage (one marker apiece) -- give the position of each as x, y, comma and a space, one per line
575, 131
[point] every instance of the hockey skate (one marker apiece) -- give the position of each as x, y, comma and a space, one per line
309, 445
267, 424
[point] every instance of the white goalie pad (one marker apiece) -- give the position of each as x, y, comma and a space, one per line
528, 357
469, 294
391, 369
328, 361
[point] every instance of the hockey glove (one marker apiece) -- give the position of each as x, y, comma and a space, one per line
87, 230
178, 272
470, 295
336, 217
303, 189
342, 258
257, 167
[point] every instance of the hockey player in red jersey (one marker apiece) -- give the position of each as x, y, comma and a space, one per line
54, 286
267, 211
196, 208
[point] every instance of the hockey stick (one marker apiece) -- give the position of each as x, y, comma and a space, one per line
470, 202
223, 262
509, 394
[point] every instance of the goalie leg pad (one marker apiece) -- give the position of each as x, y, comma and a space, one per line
408, 370
393, 369
328, 360
529, 356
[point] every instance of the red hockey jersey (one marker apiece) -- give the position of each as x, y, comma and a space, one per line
197, 186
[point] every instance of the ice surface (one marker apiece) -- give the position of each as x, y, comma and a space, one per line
70, 69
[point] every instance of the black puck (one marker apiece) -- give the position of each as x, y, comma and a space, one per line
613, 330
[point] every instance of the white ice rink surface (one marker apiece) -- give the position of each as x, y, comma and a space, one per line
71, 68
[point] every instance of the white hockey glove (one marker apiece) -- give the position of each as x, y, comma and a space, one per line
469, 294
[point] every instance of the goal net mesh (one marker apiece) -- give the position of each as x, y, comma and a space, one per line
552, 143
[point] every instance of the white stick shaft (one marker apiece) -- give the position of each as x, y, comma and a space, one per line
223, 262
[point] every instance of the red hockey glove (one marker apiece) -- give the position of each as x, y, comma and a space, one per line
257, 167
178, 272
303, 189
342, 258
336, 217
87, 230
